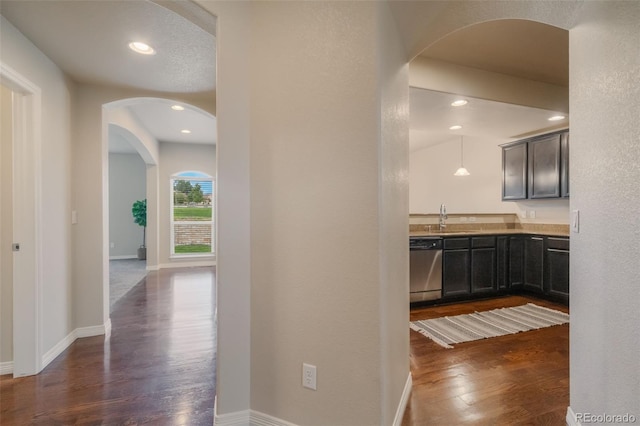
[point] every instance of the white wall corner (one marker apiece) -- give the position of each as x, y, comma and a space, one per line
58, 348
571, 418
6, 367
63, 344
404, 400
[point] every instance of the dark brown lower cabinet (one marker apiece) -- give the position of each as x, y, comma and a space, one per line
557, 274
502, 262
486, 265
534, 264
483, 265
455, 272
516, 262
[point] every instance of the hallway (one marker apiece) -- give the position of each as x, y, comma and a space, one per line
157, 367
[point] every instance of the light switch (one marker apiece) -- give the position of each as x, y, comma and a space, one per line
575, 221
74, 217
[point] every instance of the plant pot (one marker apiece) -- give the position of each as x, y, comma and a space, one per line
142, 253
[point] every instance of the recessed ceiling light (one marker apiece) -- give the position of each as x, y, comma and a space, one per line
456, 127
556, 118
177, 107
185, 131
459, 102
142, 48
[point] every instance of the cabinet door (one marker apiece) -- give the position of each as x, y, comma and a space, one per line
558, 274
514, 172
516, 262
483, 267
544, 167
534, 264
502, 262
564, 166
455, 273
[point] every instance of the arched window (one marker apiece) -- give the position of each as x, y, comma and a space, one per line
192, 214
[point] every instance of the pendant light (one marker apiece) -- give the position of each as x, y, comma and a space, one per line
462, 171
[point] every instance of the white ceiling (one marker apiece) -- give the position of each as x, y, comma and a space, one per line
526, 49
518, 48
89, 41
432, 115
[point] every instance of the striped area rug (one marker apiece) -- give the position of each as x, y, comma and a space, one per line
446, 331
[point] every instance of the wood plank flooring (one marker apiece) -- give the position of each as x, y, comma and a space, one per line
519, 379
157, 367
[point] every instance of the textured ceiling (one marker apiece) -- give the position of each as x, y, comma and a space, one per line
516, 47
89, 40
519, 48
432, 115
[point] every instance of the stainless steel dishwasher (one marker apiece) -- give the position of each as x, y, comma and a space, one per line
425, 268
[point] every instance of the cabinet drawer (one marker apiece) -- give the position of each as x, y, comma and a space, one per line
558, 243
483, 242
456, 243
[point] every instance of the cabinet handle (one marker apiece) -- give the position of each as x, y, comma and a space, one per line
537, 238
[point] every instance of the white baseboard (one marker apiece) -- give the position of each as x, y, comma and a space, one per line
58, 348
6, 367
572, 418
261, 419
187, 264
152, 268
256, 418
124, 257
96, 330
248, 418
404, 400
78, 333
237, 418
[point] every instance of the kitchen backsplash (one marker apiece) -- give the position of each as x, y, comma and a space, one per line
481, 221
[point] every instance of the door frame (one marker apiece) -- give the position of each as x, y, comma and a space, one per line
27, 222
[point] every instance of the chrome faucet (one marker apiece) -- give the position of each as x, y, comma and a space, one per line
443, 216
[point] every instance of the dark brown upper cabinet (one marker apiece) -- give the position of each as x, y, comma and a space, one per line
514, 171
536, 168
544, 167
564, 165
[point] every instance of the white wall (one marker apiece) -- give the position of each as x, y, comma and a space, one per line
6, 226
432, 183
176, 158
57, 93
319, 158
605, 153
127, 184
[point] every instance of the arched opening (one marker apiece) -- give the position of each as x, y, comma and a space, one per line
513, 75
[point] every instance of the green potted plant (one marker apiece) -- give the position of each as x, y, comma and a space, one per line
139, 211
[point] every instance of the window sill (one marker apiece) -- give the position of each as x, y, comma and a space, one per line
192, 256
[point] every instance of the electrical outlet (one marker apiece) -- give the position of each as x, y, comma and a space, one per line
532, 214
112, 245
309, 376
463, 219
472, 218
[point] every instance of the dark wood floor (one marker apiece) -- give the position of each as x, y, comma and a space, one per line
157, 367
520, 379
